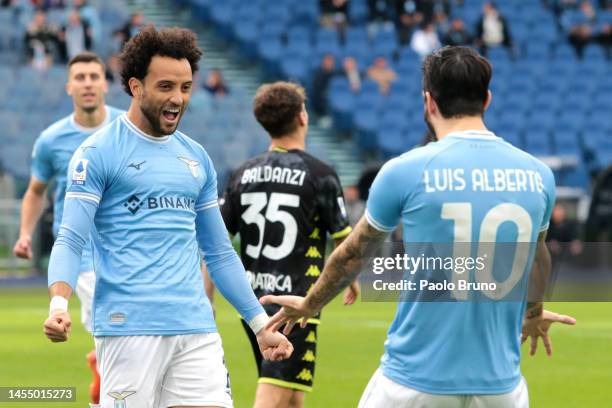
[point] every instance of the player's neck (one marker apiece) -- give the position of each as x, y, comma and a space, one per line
135, 115
448, 126
90, 119
289, 142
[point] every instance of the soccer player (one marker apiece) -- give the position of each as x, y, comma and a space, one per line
150, 194
283, 203
52, 152
463, 353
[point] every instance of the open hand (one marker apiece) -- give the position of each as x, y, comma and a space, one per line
538, 327
293, 309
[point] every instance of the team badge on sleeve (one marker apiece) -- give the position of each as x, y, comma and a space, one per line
79, 174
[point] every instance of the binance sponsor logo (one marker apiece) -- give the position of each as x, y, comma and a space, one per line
313, 252
135, 203
313, 270
304, 375
316, 234
308, 356
311, 338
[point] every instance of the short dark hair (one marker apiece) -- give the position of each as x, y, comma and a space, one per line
458, 80
86, 56
276, 107
172, 42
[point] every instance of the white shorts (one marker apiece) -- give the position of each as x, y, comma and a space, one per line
381, 392
85, 291
163, 371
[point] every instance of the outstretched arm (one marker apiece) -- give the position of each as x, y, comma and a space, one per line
228, 274
31, 209
341, 269
537, 321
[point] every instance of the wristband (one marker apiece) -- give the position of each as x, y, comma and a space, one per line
58, 303
258, 322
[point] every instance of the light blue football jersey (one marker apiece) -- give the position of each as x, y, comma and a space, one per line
50, 157
152, 200
469, 187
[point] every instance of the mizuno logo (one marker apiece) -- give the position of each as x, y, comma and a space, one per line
137, 166
83, 148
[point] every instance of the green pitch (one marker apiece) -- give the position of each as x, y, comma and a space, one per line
350, 344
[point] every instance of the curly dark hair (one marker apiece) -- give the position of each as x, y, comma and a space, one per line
276, 107
172, 42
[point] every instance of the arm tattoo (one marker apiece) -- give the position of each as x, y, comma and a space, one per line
534, 309
344, 264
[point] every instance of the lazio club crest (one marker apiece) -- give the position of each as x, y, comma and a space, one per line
120, 397
193, 165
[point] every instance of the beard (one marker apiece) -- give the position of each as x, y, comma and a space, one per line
153, 114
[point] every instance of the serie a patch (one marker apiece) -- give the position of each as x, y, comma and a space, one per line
79, 174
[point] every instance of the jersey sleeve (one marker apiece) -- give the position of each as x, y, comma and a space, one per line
208, 197
332, 209
87, 174
86, 182
550, 191
42, 162
222, 261
385, 201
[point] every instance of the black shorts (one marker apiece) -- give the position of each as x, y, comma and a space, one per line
297, 372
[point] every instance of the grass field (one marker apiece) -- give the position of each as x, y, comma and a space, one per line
350, 344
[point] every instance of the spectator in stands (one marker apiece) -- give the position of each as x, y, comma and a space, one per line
131, 28
75, 37
334, 13
492, 29
604, 38
457, 34
215, 84
381, 73
432, 8
407, 19
48, 4
355, 207
580, 25
113, 69
320, 81
351, 71
425, 40
41, 41
381, 11
91, 16
563, 233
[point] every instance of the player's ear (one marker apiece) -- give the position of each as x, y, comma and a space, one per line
135, 87
303, 117
430, 104
488, 101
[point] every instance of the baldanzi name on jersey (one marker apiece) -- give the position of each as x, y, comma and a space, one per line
269, 174
135, 203
269, 282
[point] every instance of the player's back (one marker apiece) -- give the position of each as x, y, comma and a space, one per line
470, 189
283, 203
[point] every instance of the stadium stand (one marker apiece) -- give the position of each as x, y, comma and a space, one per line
547, 97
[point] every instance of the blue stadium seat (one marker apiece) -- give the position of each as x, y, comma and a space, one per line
366, 128
566, 142
270, 50
247, 33
594, 52
385, 42
392, 142
358, 12
372, 101
512, 137
537, 141
341, 103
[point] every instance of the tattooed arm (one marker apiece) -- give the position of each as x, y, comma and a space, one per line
344, 264
340, 270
